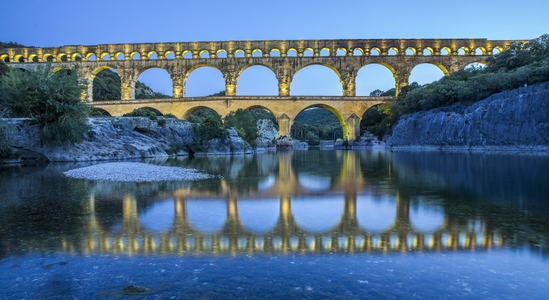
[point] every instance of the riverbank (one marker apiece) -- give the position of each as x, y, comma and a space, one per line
516, 120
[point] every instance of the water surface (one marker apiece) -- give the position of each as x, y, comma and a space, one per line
303, 224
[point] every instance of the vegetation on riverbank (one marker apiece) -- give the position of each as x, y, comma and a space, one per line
521, 64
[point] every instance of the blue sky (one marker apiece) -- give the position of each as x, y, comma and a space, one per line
61, 22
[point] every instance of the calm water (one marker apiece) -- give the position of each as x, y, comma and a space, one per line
303, 224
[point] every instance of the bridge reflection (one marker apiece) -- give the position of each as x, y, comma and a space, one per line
291, 232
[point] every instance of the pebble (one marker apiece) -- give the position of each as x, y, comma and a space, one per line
135, 172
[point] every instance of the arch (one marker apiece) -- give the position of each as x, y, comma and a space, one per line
239, 53
316, 80
425, 218
341, 52
462, 51
152, 55
21, 58
89, 56
102, 78
221, 53
196, 109
187, 54
480, 51
497, 50
358, 51
428, 51
324, 52
445, 51
203, 80
105, 56
47, 57
61, 57
392, 51
375, 76
33, 58
427, 73
375, 51
292, 52
170, 54
257, 80
204, 54
135, 56
308, 52
335, 112
119, 56
275, 52
5, 57
257, 53
76, 57
154, 110
99, 112
157, 79
411, 51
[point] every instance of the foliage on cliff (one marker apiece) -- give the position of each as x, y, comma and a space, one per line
522, 64
51, 99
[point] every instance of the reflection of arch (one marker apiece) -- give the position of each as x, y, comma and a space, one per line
317, 214
314, 183
207, 215
374, 213
426, 218
159, 216
259, 215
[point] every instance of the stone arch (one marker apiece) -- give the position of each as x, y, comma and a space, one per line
422, 71
119, 56
217, 79
76, 56
187, 54
410, 51
363, 85
154, 110
161, 82
96, 111
33, 58
334, 111
273, 90
135, 55
375, 51
480, 51
5, 57
357, 51
445, 51
239, 53
19, 58
152, 55
90, 56
428, 51
257, 53
498, 49
190, 111
292, 52
105, 56
48, 57
392, 51
308, 52
204, 53
169, 54
276, 51
341, 51
91, 77
330, 67
221, 53
324, 52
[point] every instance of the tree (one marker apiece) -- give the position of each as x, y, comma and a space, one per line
4, 69
244, 123
51, 99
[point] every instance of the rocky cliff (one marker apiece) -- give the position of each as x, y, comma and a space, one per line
513, 120
125, 138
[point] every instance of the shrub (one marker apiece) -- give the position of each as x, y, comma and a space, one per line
141, 112
170, 115
6, 138
51, 99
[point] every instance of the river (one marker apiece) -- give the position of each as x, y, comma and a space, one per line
308, 224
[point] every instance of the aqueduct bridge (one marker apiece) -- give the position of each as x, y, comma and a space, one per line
283, 57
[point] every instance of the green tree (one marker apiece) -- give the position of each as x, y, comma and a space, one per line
244, 123
52, 100
6, 137
4, 69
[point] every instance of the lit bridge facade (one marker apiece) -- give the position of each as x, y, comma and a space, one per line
283, 57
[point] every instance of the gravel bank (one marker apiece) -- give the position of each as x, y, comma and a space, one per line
135, 172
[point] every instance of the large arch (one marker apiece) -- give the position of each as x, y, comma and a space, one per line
427, 72
316, 80
376, 76
104, 84
203, 80
194, 109
340, 117
157, 79
257, 80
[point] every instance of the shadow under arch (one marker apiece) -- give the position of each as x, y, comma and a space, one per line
339, 116
99, 112
154, 110
195, 109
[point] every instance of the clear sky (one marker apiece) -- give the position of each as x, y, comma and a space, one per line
62, 22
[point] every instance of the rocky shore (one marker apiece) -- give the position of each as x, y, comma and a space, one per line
122, 138
516, 120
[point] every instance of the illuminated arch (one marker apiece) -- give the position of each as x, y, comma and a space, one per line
135, 55
292, 52
334, 111
375, 51
48, 57
392, 51
20, 58
96, 111
497, 49
91, 56
257, 53
263, 77
157, 78
259, 215
76, 56
425, 73
425, 218
187, 54
119, 56
105, 56
445, 51
274, 51
382, 76
375, 213
411, 51
357, 51
428, 51
341, 52
480, 51
204, 53
152, 55
324, 52
5, 57
221, 53
169, 54
207, 215
33, 58
308, 52
327, 83
324, 218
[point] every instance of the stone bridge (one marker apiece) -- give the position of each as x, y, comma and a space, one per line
283, 57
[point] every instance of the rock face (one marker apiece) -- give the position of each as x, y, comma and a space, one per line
267, 133
513, 120
127, 138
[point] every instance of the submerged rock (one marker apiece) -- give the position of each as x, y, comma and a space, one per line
131, 290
